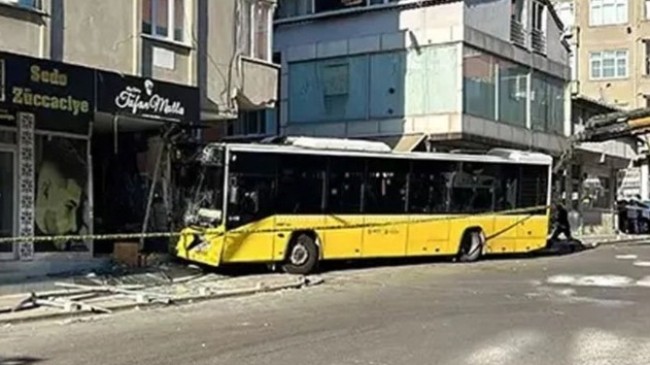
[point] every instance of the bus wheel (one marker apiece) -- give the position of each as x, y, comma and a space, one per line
302, 257
471, 246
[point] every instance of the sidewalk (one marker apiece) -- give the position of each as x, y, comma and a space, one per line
594, 240
107, 293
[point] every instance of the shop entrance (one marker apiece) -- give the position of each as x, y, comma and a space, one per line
8, 193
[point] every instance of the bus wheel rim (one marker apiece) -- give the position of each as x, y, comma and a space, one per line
299, 254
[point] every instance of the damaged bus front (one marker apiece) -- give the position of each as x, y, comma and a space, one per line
202, 238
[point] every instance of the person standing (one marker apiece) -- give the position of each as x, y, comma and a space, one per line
561, 223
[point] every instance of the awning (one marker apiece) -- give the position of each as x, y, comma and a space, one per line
403, 143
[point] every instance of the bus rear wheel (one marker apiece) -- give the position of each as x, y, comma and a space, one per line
302, 256
471, 246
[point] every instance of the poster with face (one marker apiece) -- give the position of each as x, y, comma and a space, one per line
61, 206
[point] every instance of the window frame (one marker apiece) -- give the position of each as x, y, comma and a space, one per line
601, 59
311, 7
171, 22
252, 45
538, 13
600, 4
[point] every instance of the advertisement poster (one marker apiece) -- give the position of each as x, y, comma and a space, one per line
61, 206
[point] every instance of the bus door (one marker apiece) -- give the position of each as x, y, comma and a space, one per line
428, 230
249, 217
344, 219
504, 236
300, 201
384, 204
533, 229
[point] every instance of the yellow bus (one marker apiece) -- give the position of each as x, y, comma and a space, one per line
304, 200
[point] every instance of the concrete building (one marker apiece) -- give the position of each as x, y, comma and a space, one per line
604, 171
610, 43
86, 89
425, 74
601, 173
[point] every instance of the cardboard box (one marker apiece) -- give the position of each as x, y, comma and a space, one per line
127, 253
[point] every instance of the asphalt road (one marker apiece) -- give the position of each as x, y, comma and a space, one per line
587, 308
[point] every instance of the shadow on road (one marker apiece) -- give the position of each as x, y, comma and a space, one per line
557, 248
20, 360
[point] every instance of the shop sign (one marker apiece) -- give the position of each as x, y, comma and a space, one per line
147, 98
55, 92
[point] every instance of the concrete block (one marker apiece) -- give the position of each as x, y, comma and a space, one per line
301, 53
329, 129
397, 126
393, 41
332, 49
457, 33
412, 19
284, 86
491, 129
438, 35
367, 44
505, 132
362, 128
455, 122
284, 113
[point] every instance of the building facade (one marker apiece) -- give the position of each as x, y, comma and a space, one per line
612, 49
601, 173
425, 75
101, 83
606, 77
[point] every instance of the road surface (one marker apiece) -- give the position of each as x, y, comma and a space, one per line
587, 308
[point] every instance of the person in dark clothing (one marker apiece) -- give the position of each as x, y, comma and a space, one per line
561, 223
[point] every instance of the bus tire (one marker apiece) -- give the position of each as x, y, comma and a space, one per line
471, 246
302, 255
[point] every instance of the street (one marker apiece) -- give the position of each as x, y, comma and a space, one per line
585, 308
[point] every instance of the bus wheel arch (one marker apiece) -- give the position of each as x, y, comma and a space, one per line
302, 254
472, 245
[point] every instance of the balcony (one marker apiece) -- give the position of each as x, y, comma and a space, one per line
517, 34
538, 41
259, 84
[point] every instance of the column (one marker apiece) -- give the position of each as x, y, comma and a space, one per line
645, 177
26, 184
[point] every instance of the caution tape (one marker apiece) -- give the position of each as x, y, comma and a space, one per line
132, 236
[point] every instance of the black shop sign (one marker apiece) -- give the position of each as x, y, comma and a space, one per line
146, 98
61, 96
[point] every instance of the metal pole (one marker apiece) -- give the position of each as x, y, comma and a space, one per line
152, 190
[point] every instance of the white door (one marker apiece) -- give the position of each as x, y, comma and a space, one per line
8, 194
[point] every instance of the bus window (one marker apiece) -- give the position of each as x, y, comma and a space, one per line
507, 187
385, 187
301, 184
345, 184
251, 186
427, 190
472, 188
534, 186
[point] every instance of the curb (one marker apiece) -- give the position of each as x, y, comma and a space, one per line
234, 293
637, 239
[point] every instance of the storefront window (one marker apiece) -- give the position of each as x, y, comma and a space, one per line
61, 205
596, 192
547, 103
513, 93
479, 84
7, 197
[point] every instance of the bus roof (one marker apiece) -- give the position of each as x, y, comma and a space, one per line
497, 155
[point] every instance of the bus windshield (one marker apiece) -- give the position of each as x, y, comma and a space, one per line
206, 207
